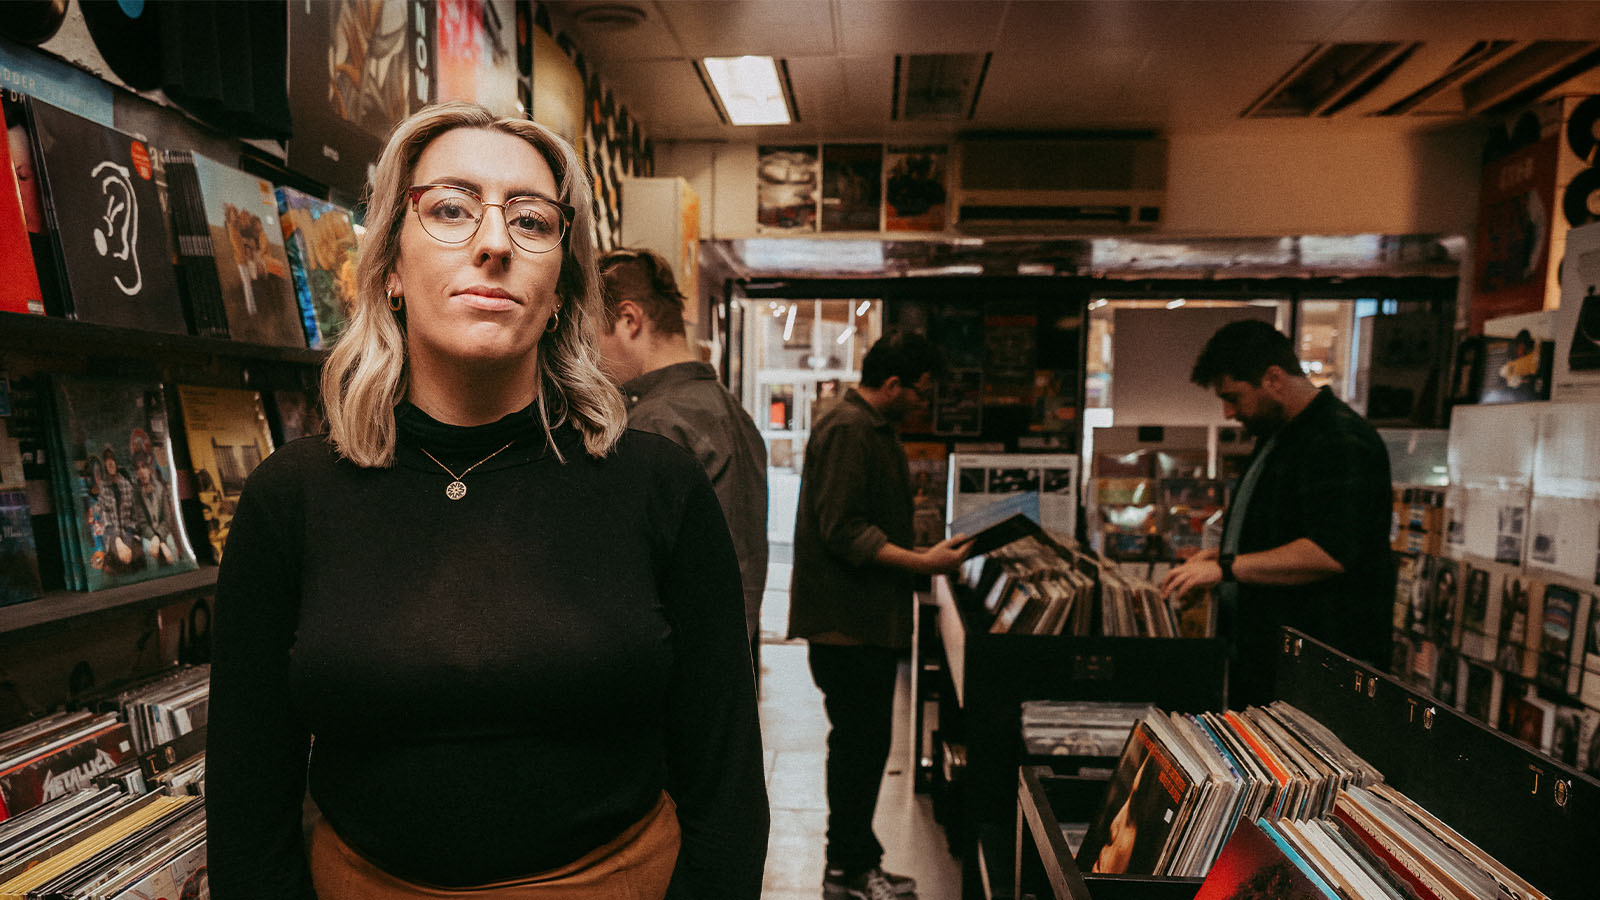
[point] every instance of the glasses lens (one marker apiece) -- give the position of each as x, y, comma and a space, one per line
449, 214
536, 225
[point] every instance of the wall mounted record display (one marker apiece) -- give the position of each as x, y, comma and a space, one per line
101, 204
128, 36
252, 265
356, 68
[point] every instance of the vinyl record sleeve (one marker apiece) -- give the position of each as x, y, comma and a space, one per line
252, 265
1142, 804
120, 480
228, 437
321, 246
19, 282
1252, 865
102, 204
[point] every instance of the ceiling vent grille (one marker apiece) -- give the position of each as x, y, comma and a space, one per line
1389, 79
937, 86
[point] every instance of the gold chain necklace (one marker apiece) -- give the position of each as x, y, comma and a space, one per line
456, 490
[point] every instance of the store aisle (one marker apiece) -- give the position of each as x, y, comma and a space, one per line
794, 733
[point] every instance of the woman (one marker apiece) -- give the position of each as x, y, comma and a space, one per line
508, 635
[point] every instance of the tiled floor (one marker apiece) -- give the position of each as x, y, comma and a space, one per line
794, 733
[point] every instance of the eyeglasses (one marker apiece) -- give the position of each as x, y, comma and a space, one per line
452, 215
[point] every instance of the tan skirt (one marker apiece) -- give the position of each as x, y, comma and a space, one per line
636, 866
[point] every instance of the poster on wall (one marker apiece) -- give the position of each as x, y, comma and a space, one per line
786, 189
1516, 205
958, 404
1010, 338
358, 67
852, 187
1576, 367
914, 188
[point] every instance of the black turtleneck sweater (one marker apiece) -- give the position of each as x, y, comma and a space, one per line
497, 685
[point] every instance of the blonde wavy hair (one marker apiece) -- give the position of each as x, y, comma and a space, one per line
367, 374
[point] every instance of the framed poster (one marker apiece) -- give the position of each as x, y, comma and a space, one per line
852, 187
786, 189
958, 405
915, 196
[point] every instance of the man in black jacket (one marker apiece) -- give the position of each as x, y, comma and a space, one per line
851, 594
1306, 535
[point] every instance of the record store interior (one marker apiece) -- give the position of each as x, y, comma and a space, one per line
1176, 427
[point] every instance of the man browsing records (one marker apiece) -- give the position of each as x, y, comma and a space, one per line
1305, 539
851, 595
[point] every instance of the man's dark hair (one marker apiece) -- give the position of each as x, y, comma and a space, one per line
903, 353
645, 278
1243, 351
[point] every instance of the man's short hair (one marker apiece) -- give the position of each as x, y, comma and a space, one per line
1243, 351
903, 353
646, 279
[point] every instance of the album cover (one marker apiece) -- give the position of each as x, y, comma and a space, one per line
1443, 599
19, 281
118, 482
62, 771
1141, 806
915, 196
358, 68
475, 54
1515, 370
101, 203
321, 246
197, 256
1252, 865
228, 437
19, 554
852, 187
252, 265
786, 189
1577, 329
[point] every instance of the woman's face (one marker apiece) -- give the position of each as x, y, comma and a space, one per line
27, 178
484, 301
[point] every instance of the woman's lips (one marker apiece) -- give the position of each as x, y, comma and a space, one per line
490, 301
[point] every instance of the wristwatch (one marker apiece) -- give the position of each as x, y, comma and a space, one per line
1225, 562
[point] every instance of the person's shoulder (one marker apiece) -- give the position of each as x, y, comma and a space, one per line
294, 462
650, 449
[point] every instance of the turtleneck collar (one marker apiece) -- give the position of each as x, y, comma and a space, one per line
421, 429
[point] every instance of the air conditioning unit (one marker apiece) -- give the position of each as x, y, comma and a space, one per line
1079, 183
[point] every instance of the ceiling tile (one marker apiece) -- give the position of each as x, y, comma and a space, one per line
662, 95
760, 27
919, 26
650, 39
1471, 20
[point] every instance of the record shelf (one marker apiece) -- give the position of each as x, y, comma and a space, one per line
1537, 816
59, 608
984, 680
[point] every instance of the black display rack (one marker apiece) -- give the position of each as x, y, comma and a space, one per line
1537, 816
984, 680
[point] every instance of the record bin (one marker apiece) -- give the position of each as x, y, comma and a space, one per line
1538, 817
984, 679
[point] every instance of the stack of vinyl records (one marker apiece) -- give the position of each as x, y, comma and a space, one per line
1184, 782
1377, 844
166, 707
1035, 585
106, 845
1079, 727
56, 756
198, 257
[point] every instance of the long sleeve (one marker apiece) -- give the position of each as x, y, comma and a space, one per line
714, 762
257, 747
841, 495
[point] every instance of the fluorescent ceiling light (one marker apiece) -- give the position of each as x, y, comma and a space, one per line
788, 324
749, 89
845, 334
1175, 304
862, 309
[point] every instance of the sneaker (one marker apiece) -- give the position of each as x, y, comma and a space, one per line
869, 885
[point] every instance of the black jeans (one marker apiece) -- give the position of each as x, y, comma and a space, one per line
857, 685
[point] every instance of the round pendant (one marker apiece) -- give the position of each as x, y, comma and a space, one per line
455, 490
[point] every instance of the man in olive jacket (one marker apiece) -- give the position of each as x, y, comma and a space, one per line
851, 592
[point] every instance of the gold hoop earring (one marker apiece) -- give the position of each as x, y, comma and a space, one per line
396, 301
555, 321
